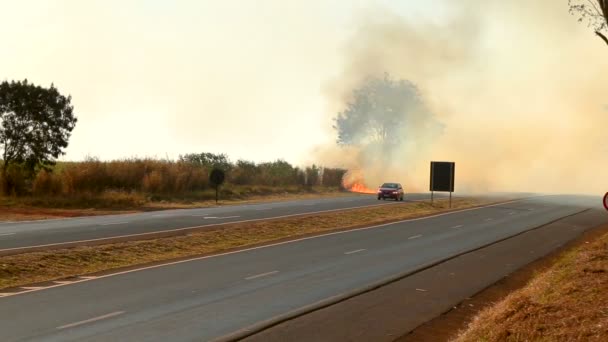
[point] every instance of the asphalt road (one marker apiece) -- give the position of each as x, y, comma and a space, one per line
210, 297
15, 235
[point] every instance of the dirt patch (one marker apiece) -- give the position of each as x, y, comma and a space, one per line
548, 299
27, 268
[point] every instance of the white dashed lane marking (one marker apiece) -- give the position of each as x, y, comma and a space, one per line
221, 218
355, 251
90, 320
261, 275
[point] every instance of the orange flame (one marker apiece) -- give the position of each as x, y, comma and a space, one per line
353, 181
360, 188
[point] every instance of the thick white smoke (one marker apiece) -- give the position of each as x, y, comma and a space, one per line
519, 86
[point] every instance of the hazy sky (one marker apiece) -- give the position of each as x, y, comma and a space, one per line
162, 78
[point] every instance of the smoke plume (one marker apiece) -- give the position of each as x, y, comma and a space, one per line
518, 86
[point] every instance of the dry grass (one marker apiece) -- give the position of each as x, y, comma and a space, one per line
35, 267
568, 302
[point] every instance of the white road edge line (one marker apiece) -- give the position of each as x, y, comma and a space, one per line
221, 217
414, 237
90, 278
90, 320
489, 219
113, 223
355, 251
456, 227
263, 209
6, 234
261, 275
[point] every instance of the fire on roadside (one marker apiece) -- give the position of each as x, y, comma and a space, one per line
360, 188
353, 181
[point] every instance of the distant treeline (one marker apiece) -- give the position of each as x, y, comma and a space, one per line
190, 173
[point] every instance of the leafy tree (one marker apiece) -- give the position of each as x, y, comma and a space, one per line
276, 173
594, 12
379, 111
312, 176
208, 160
332, 176
35, 126
244, 172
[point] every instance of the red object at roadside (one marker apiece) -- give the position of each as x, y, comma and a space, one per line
605, 201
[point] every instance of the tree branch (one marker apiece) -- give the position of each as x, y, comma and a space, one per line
601, 35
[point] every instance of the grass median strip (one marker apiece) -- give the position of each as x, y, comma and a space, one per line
568, 302
28, 268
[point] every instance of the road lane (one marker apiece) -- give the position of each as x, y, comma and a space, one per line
210, 297
35, 233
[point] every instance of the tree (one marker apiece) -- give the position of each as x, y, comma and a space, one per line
594, 12
208, 160
35, 126
380, 112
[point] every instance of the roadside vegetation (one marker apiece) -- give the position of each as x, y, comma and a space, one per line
27, 268
568, 302
139, 183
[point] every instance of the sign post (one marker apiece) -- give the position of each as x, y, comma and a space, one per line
442, 178
216, 178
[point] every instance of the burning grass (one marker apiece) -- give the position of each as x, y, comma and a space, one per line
568, 302
21, 269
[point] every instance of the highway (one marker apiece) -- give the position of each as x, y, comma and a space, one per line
15, 235
211, 297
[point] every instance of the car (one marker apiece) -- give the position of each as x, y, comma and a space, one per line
391, 190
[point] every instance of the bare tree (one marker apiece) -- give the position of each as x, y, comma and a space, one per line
594, 12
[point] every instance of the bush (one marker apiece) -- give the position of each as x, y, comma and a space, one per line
186, 178
46, 183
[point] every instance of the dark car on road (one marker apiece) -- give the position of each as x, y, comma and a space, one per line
391, 190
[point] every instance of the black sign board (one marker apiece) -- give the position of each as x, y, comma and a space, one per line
442, 176
216, 178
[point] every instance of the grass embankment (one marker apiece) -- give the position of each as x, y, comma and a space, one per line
38, 208
16, 270
568, 302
